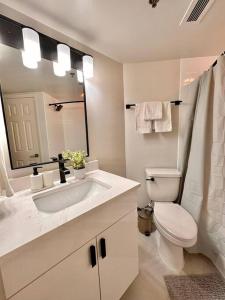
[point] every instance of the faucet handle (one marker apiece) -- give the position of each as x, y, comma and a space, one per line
54, 158
61, 158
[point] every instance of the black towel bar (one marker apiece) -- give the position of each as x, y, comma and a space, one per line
175, 102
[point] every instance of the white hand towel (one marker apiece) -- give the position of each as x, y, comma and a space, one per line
142, 126
153, 110
165, 124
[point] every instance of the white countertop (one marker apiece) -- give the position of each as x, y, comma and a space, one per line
21, 222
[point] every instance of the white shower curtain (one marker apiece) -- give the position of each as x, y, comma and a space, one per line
204, 186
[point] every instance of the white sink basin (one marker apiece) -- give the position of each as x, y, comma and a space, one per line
67, 195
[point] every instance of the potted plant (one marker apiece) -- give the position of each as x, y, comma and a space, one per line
77, 161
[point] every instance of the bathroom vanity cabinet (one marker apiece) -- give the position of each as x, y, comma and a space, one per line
81, 277
92, 257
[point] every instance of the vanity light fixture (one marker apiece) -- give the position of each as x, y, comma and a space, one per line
88, 67
80, 77
58, 69
28, 61
63, 63
31, 54
64, 60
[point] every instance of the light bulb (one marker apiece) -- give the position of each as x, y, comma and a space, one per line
29, 61
31, 44
64, 60
80, 78
88, 67
58, 69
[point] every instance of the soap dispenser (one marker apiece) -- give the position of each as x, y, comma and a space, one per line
36, 180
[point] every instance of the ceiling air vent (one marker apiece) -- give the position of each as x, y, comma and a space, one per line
196, 11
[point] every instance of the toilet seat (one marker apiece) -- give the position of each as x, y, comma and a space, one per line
175, 224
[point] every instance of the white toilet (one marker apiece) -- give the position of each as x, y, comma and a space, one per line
176, 227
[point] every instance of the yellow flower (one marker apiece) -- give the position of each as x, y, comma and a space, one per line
77, 158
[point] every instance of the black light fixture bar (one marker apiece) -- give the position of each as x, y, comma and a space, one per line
11, 35
175, 102
65, 102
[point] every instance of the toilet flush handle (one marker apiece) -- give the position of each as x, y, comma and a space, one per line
150, 178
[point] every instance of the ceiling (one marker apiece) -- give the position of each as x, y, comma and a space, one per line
131, 30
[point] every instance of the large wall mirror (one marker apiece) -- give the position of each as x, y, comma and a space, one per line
44, 114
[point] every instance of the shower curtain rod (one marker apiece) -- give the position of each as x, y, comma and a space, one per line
215, 62
65, 102
175, 102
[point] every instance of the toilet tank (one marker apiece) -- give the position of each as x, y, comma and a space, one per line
162, 184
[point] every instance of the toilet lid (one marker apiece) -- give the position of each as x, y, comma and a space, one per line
162, 172
174, 219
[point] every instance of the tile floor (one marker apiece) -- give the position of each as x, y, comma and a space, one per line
150, 285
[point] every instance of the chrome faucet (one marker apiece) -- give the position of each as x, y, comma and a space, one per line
63, 171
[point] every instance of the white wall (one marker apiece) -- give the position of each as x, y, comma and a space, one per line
54, 127
104, 102
192, 68
65, 128
74, 127
146, 82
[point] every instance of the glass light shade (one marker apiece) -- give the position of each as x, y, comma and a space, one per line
64, 60
80, 76
29, 61
88, 67
31, 44
58, 69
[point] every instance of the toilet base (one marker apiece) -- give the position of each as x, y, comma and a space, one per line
170, 254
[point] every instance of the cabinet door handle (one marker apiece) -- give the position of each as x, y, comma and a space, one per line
103, 247
93, 256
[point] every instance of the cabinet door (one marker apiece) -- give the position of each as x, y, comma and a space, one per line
73, 278
118, 257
